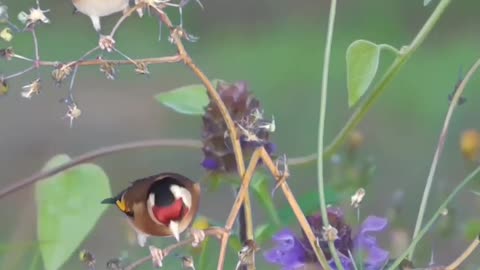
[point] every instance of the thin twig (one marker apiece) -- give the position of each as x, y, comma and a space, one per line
439, 149
17, 185
321, 130
208, 232
295, 208
241, 194
455, 264
472, 176
96, 62
20, 73
125, 16
176, 36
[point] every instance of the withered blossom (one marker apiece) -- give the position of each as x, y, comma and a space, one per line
246, 113
30, 89
7, 53
61, 72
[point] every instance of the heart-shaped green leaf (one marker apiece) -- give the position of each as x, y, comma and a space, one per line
362, 64
190, 99
68, 207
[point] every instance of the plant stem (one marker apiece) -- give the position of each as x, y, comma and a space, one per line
438, 151
435, 216
321, 129
17, 185
365, 106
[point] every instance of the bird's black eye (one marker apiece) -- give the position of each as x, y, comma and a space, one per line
129, 213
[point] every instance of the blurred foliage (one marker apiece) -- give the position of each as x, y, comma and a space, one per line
68, 209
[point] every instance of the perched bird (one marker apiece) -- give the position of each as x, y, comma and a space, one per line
162, 205
95, 9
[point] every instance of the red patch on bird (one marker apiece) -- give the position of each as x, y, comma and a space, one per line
167, 213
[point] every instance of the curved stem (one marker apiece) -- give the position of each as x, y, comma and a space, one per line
438, 151
435, 216
321, 130
96, 154
362, 110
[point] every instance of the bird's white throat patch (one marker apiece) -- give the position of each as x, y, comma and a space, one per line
178, 193
182, 193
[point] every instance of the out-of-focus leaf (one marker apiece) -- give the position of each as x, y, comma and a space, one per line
190, 99
309, 203
472, 229
68, 207
426, 2
262, 191
362, 63
264, 233
235, 243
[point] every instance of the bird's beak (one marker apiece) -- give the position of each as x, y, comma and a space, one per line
174, 227
109, 201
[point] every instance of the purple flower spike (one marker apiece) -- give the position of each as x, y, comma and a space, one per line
366, 244
344, 260
210, 164
288, 253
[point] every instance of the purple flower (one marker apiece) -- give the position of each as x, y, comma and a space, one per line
366, 244
291, 252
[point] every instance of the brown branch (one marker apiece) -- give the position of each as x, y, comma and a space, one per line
295, 207
455, 264
176, 36
241, 195
208, 232
17, 185
151, 60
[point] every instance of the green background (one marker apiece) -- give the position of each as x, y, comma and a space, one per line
277, 46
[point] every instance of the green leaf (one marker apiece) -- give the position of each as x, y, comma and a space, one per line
472, 229
68, 207
190, 99
309, 203
260, 185
362, 64
426, 2
264, 233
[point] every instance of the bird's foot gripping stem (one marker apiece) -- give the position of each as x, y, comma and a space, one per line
106, 43
157, 256
198, 236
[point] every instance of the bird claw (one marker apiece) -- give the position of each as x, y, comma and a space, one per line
157, 256
106, 43
198, 236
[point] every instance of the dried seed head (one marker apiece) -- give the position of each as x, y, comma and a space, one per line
245, 111
73, 112
87, 258
35, 16
61, 72
3, 86
187, 262
7, 53
109, 70
330, 233
141, 69
3, 13
115, 264
30, 89
357, 198
6, 34
246, 254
